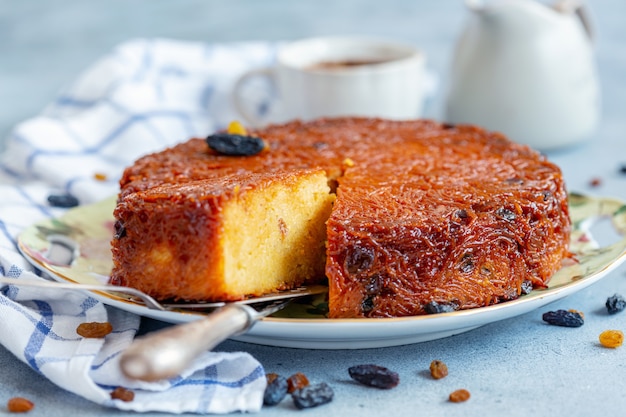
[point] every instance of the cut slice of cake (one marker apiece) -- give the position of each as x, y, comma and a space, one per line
224, 239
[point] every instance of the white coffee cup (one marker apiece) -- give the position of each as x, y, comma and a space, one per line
340, 76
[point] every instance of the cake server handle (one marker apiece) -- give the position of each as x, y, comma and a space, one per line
166, 353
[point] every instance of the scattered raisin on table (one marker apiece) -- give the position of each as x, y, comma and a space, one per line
611, 338
296, 381
564, 318
374, 376
459, 396
275, 390
312, 396
94, 330
62, 200
121, 393
595, 182
235, 145
438, 369
580, 313
615, 304
19, 405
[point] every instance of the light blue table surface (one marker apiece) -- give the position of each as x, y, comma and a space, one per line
515, 367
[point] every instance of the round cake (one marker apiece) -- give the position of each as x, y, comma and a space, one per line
400, 218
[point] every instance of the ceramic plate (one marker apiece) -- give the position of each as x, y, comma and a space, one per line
83, 235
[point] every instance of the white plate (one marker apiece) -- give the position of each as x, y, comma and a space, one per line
87, 231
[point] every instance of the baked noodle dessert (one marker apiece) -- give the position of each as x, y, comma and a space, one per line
400, 217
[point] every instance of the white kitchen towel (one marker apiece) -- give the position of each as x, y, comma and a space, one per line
144, 96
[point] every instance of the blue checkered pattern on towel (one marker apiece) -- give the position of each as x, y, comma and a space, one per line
144, 96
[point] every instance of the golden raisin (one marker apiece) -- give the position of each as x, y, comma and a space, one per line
296, 381
348, 163
19, 405
100, 176
121, 393
438, 369
271, 376
580, 313
595, 182
94, 330
611, 338
459, 396
236, 128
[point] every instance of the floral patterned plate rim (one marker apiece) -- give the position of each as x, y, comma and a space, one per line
87, 231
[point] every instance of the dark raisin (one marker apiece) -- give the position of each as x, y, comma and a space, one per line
275, 390
527, 287
546, 195
368, 304
120, 230
62, 200
467, 263
435, 308
564, 318
235, 145
448, 125
359, 259
312, 396
374, 376
462, 214
373, 285
506, 214
615, 304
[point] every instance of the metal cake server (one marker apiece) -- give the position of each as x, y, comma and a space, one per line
166, 353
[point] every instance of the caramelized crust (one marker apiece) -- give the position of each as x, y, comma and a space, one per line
425, 213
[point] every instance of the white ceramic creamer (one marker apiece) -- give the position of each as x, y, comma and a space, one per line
526, 70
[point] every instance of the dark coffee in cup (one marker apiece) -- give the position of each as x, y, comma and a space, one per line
338, 65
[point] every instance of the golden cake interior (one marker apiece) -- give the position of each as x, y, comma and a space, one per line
274, 236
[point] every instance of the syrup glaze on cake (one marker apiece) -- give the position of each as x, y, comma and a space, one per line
425, 214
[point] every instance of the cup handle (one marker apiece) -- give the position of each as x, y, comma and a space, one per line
241, 105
